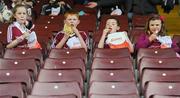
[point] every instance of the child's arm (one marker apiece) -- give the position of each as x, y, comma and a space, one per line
143, 42
62, 42
17, 40
152, 37
131, 47
83, 44
101, 42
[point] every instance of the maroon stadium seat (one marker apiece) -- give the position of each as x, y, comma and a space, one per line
14, 76
1, 49
139, 21
160, 96
47, 89
67, 64
24, 53
113, 88
158, 53
87, 23
162, 88
48, 20
159, 63
111, 53
135, 34
60, 96
12, 64
5, 96
114, 96
159, 75
3, 32
112, 76
176, 38
12, 89
51, 76
112, 63
68, 53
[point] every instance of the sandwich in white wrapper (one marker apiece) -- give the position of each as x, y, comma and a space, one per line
32, 39
116, 38
165, 41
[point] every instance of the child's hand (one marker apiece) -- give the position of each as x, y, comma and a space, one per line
26, 34
152, 37
75, 30
107, 30
20, 39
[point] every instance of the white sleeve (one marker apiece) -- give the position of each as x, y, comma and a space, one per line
9, 34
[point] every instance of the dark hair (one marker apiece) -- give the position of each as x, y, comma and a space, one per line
156, 17
115, 18
14, 10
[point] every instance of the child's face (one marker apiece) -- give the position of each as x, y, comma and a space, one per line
21, 15
112, 24
72, 20
155, 26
